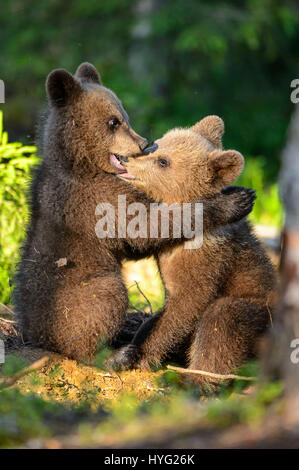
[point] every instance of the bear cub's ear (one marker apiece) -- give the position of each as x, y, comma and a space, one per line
224, 167
212, 128
62, 87
88, 73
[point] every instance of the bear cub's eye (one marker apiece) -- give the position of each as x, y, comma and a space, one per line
114, 123
163, 162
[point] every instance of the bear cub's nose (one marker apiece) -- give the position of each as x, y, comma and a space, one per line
150, 148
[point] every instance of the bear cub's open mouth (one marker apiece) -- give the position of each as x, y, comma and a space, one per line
117, 161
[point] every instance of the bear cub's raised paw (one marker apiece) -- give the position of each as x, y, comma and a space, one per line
242, 198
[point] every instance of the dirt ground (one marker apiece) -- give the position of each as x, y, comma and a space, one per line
63, 379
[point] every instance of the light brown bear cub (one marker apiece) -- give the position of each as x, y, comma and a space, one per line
218, 297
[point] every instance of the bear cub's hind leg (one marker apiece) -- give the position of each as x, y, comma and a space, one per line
90, 312
227, 335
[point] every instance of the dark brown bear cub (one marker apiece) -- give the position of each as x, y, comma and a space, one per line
219, 296
69, 290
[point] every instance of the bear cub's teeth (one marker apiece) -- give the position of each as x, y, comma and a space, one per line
114, 161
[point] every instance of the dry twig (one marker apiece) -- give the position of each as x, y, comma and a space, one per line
7, 308
7, 321
9, 381
149, 304
211, 374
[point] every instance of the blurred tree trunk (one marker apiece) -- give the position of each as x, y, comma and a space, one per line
147, 56
143, 58
140, 52
282, 359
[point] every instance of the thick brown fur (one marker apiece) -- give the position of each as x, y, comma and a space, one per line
218, 297
69, 290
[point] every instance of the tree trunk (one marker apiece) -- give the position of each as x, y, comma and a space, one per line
282, 357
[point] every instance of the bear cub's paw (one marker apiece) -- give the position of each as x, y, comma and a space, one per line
242, 198
124, 358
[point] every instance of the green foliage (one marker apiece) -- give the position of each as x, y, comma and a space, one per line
171, 63
27, 416
155, 297
130, 420
268, 208
21, 417
102, 355
16, 162
169, 378
226, 412
24, 417
13, 365
249, 369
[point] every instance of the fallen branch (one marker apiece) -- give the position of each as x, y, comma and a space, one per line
211, 374
9, 381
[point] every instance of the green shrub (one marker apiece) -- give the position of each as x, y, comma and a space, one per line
16, 162
268, 208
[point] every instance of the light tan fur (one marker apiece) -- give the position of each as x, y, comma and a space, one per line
218, 297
